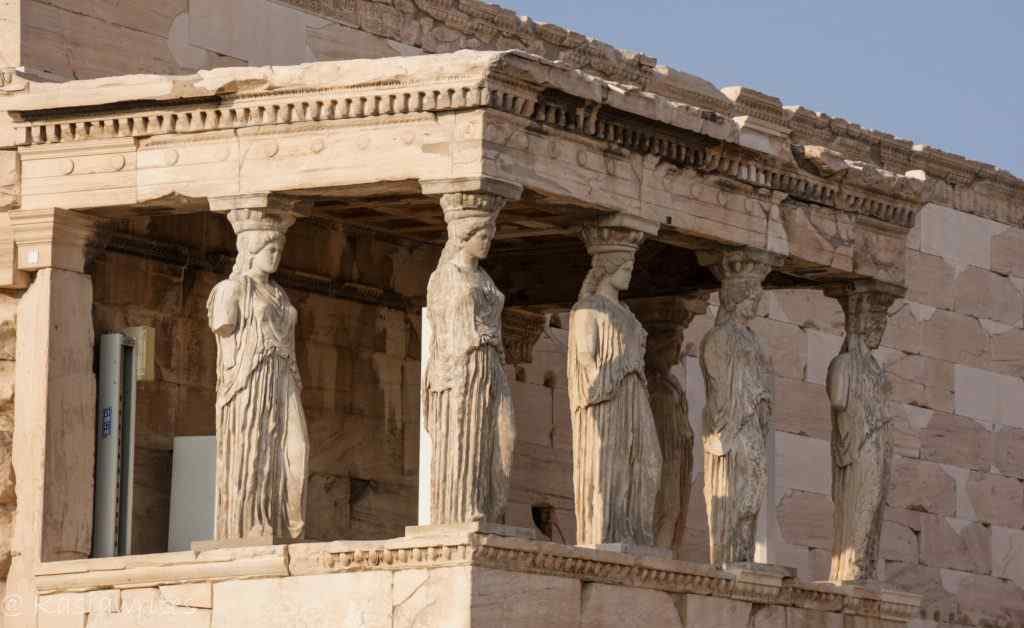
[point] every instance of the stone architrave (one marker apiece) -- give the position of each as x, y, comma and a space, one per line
737, 414
616, 457
666, 320
467, 400
861, 433
262, 439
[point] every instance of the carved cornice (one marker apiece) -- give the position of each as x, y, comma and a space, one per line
493, 552
525, 86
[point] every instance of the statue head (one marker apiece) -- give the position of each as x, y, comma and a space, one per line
470, 234
866, 315
258, 250
740, 297
612, 256
664, 346
259, 240
741, 273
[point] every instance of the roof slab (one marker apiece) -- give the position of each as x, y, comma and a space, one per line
372, 142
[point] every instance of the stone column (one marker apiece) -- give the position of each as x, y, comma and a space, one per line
738, 428
616, 456
54, 401
861, 432
467, 430
666, 320
262, 438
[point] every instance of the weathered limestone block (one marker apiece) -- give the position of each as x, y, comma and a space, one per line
146, 607
617, 460
984, 294
960, 441
802, 463
785, 345
806, 618
1009, 451
925, 581
465, 597
805, 519
367, 601
955, 544
466, 396
922, 486
921, 381
738, 408
768, 617
799, 408
984, 600
258, 376
193, 595
808, 309
1008, 554
996, 499
611, 606
1006, 248
898, 543
931, 280
701, 611
954, 337
989, 396
957, 236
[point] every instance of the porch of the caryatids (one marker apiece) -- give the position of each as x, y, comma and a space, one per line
738, 426
616, 456
262, 439
861, 432
665, 319
466, 398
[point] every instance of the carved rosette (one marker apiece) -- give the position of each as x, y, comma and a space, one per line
520, 331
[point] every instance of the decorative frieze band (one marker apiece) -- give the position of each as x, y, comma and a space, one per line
510, 554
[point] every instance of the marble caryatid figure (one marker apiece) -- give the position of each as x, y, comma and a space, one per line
262, 443
861, 437
616, 456
467, 399
666, 319
737, 411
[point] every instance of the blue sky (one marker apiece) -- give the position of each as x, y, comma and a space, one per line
948, 73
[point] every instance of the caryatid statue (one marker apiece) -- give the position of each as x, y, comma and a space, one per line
262, 443
861, 437
616, 456
666, 320
467, 399
737, 411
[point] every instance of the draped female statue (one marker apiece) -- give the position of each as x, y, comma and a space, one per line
467, 399
262, 444
616, 456
665, 319
737, 412
861, 438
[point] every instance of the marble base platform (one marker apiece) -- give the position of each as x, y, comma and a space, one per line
444, 579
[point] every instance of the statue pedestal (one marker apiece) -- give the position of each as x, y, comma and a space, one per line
453, 579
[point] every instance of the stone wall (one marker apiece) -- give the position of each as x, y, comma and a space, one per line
8, 501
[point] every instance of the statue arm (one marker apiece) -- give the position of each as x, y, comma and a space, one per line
223, 309
838, 382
